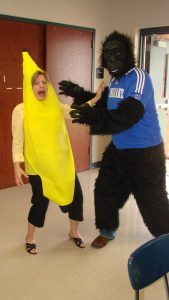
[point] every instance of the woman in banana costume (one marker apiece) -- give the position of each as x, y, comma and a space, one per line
40, 140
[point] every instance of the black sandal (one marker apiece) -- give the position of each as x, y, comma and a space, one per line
30, 247
78, 241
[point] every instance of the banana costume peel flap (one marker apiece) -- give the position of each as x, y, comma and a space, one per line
47, 147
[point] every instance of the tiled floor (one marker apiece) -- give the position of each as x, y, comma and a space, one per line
62, 271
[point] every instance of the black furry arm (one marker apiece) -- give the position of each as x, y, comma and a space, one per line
103, 121
79, 94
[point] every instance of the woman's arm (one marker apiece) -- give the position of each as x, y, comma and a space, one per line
92, 102
17, 144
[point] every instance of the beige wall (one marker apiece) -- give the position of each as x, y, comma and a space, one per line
104, 16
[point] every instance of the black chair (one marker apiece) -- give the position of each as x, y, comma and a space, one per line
149, 263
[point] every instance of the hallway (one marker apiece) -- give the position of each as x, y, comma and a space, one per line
62, 271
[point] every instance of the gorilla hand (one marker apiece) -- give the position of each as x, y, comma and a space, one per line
81, 113
69, 88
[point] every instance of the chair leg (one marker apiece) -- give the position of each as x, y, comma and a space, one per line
166, 286
137, 295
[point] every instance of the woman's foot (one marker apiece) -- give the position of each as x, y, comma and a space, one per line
78, 240
30, 241
30, 245
31, 248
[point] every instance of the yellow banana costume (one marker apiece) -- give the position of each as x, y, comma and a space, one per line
47, 148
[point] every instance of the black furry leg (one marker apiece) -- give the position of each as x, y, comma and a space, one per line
155, 211
149, 187
111, 190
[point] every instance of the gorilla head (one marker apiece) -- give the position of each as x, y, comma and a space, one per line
117, 54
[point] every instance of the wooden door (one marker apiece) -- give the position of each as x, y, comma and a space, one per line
14, 37
69, 57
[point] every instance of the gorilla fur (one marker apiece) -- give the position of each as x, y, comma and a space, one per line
135, 170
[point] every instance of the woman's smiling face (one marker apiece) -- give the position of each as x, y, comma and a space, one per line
39, 86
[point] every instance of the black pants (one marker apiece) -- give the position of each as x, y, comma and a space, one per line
140, 172
40, 203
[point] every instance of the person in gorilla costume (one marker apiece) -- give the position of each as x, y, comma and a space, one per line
134, 161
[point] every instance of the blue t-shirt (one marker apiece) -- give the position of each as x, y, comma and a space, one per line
146, 132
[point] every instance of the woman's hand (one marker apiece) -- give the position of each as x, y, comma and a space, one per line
19, 173
100, 89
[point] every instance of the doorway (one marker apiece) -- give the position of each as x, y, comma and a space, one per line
154, 58
21, 33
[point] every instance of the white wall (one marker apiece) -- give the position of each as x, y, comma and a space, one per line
104, 16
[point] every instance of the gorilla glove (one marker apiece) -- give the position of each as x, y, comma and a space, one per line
69, 88
79, 94
81, 114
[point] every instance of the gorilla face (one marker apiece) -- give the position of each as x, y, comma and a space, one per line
114, 54
117, 54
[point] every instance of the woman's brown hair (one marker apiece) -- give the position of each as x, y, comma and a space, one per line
36, 74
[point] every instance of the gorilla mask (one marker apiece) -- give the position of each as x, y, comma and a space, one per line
117, 54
